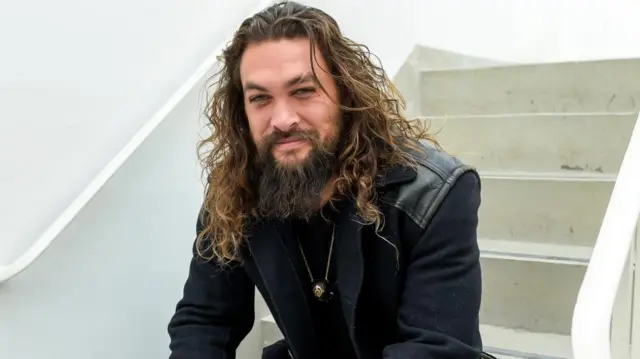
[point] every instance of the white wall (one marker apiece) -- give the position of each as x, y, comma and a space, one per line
533, 31
108, 284
505, 30
77, 79
74, 86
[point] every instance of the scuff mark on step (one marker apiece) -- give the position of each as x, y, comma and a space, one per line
572, 168
611, 101
571, 229
580, 168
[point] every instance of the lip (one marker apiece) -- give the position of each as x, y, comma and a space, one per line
289, 143
287, 140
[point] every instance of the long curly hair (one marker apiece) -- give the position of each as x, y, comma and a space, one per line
376, 133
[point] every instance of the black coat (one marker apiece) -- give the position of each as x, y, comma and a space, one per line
421, 301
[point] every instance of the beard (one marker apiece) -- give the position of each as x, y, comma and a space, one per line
294, 190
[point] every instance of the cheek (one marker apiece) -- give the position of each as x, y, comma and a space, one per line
323, 119
332, 125
256, 135
257, 126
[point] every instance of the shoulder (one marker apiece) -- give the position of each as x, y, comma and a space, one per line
435, 174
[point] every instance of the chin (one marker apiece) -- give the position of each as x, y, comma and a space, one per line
291, 158
289, 161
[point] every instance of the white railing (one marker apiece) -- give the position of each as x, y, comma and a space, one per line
61, 222
592, 315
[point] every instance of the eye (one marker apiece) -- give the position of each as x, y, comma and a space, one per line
258, 99
304, 92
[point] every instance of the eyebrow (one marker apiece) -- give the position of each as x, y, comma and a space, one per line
296, 80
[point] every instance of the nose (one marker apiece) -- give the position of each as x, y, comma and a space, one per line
284, 117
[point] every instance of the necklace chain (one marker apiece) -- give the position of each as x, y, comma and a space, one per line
320, 295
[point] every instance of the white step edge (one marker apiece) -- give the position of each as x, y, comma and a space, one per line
530, 114
534, 252
509, 343
523, 344
571, 176
508, 354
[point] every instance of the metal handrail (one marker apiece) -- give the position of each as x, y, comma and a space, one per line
591, 327
61, 222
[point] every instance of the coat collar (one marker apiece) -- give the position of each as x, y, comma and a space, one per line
395, 176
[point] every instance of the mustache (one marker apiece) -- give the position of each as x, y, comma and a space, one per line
294, 135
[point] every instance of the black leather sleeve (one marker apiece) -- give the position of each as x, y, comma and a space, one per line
438, 315
215, 313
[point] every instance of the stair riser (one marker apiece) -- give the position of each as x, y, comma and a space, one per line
545, 211
423, 58
555, 143
602, 86
269, 332
529, 296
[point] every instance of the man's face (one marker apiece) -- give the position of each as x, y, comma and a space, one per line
294, 124
289, 115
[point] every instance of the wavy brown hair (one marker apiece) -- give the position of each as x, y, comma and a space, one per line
375, 131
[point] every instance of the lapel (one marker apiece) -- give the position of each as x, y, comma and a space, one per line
274, 263
349, 262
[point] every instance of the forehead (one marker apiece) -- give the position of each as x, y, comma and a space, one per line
272, 63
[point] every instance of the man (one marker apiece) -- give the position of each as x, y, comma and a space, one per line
358, 232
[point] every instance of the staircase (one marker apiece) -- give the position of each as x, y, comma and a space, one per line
548, 140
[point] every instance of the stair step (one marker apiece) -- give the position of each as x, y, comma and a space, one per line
427, 58
552, 208
590, 86
504, 343
538, 142
269, 331
500, 356
557, 176
535, 251
510, 354
532, 296
509, 343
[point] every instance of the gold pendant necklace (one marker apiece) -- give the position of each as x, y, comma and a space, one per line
320, 288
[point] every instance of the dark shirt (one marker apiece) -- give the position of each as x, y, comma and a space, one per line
330, 327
